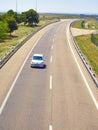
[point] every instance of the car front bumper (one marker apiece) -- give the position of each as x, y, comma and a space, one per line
38, 65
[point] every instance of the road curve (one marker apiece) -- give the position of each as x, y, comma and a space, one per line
54, 98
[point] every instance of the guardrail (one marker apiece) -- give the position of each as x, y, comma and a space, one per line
14, 49
93, 76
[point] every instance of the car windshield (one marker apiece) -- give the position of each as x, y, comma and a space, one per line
37, 58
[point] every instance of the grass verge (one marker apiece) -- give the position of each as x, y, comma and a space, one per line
89, 50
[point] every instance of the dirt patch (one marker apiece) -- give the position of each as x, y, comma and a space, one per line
78, 32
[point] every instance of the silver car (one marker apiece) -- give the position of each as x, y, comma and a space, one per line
38, 61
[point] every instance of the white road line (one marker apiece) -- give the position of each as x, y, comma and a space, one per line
13, 84
51, 59
52, 47
50, 82
87, 85
54, 35
50, 127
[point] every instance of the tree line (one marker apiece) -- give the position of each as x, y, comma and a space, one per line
10, 20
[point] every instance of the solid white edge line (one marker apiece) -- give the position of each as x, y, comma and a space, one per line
87, 85
50, 82
13, 84
50, 127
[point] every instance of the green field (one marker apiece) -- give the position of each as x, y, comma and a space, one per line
89, 50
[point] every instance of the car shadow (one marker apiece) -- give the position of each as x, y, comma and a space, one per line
39, 67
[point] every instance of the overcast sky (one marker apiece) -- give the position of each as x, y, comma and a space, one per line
52, 6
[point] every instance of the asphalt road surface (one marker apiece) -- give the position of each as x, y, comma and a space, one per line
54, 98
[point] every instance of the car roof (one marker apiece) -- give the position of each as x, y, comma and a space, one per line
38, 55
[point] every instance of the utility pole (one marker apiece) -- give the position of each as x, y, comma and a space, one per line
16, 6
16, 10
36, 5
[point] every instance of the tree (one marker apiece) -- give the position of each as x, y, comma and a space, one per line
10, 13
13, 14
12, 25
83, 24
18, 18
36, 18
23, 17
3, 29
1, 17
31, 17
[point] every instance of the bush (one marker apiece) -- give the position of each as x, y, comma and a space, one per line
3, 30
94, 39
83, 24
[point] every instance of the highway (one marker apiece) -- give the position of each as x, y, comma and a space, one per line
54, 98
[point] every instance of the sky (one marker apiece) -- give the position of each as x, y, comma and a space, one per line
51, 6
